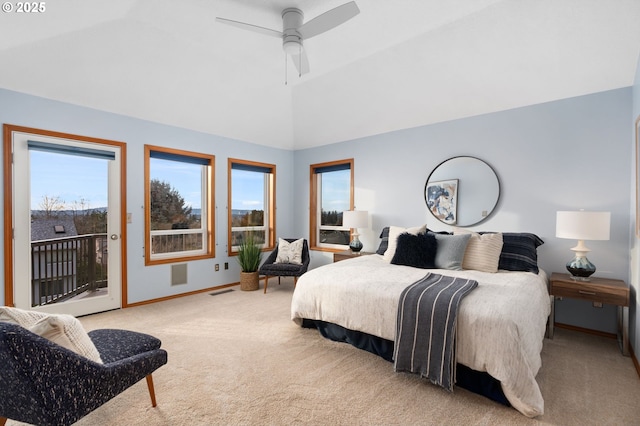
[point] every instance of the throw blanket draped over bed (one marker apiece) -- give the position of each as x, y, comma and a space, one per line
426, 326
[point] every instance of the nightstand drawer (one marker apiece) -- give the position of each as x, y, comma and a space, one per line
348, 254
586, 292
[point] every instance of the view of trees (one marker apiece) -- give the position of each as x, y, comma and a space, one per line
243, 218
168, 210
50, 206
331, 236
248, 218
331, 218
86, 219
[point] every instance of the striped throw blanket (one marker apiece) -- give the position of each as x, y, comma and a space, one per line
426, 326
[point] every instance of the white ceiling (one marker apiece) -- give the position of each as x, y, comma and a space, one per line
398, 64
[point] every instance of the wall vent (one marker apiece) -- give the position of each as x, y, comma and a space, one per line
179, 274
229, 290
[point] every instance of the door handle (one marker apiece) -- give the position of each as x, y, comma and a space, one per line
114, 236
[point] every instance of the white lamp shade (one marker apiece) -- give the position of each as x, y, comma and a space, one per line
355, 219
581, 225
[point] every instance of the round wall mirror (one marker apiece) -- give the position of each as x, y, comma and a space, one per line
462, 191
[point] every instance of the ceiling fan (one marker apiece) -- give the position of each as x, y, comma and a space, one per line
294, 31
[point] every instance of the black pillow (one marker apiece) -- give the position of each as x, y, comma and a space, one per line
384, 239
418, 251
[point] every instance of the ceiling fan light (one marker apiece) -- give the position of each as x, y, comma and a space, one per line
292, 47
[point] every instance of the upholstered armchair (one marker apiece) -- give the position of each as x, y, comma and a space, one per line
271, 268
45, 383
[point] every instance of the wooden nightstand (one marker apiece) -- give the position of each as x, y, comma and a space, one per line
348, 254
602, 290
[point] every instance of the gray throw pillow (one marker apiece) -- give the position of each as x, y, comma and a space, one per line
450, 251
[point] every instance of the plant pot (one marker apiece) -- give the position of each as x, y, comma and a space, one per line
249, 281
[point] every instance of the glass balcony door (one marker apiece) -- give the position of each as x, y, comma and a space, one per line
67, 251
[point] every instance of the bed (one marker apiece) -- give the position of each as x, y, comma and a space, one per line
500, 326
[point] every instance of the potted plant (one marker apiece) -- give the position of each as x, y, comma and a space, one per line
249, 258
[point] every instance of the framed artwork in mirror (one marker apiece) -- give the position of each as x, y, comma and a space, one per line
462, 191
442, 200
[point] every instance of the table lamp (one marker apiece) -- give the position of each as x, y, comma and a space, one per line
581, 226
355, 219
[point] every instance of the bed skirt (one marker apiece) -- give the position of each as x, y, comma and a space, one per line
475, 381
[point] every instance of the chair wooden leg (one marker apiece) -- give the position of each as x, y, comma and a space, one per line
152, 392
3, 420
278, 279
266, 283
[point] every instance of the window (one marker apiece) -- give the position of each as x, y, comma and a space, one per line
251, 203
178, 205
331, 194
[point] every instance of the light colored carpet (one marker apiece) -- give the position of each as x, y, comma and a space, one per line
237, 358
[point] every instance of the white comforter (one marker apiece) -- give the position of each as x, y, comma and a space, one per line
501, 324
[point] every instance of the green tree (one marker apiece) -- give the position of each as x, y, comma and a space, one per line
331, 218
88, 220
168, 210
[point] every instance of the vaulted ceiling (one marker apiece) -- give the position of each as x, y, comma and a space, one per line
398, 64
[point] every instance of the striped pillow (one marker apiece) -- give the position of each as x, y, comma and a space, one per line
482, 252
519, 252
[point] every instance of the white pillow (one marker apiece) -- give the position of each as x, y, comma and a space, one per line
290, 252
394, 233
482, 252
64, 330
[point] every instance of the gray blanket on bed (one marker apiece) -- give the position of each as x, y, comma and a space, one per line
426, 326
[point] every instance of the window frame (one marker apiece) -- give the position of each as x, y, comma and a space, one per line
208, 207
314, 208
269, 200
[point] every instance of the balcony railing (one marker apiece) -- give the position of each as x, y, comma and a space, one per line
64, 268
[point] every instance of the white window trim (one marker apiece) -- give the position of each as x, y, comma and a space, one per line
319, 227
202, 230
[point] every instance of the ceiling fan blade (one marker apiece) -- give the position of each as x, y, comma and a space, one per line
251, 27
329, 20
301, 62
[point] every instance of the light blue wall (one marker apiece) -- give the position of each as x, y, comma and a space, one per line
634, 318
569, 154
563, 155
145, 283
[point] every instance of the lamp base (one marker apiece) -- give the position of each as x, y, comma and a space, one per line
580, 268
355, 245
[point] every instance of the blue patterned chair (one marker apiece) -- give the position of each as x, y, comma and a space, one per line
46, 384
271, 269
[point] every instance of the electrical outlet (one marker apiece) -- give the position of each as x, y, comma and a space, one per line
597, 304
226, 265
217, 267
